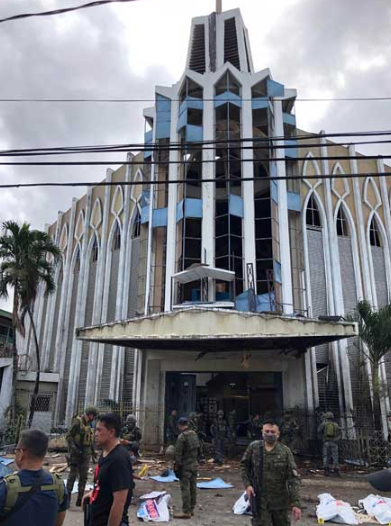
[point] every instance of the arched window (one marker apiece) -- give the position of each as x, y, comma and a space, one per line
94, 250
313, 216
342, 224
76, 267
228, 83
117, 237
136, 225
374, 234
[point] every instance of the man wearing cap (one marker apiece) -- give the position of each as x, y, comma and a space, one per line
220, 433
80, 440
187, 449
131, 435
330, 433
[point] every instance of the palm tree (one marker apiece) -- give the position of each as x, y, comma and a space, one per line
28, 259
375, 332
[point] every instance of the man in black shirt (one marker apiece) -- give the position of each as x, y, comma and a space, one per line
113, 479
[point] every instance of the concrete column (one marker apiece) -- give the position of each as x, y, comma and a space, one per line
74, 371
95, 358
47, 337
283, 223
208, 189
248, 186
6, 386
153, 402
172, 205
63, 315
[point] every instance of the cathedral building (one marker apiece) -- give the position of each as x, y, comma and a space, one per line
224, 278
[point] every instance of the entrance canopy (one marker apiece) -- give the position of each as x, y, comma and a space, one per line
209, 330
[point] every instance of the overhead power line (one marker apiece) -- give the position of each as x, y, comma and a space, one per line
126, 101
62, 11
200, 181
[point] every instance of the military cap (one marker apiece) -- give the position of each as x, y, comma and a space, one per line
220, 412
381, 480
329, 415
183, 421
91, 410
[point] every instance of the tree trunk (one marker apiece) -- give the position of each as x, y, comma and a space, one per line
14, 359
36, 385
376, 397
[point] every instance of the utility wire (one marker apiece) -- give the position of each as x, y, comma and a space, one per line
126, 101
62, 11
200, 181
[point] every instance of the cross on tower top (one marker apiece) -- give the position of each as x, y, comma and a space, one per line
219, 6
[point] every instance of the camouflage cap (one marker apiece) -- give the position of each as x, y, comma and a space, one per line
381, 480
329, 415
91, 410
131, 419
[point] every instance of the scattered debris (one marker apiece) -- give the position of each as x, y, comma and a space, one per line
169, 478
58, 468
143, 471
154, 507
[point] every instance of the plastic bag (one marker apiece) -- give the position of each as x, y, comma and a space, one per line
336, 510
378, 507
242, 505
156, 509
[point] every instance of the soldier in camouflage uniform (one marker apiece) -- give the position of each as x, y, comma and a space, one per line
330, 433
80, 440
219, 432
131, 435
172, 428
232, 424
274, 491
187, 450
289, 430
255, 428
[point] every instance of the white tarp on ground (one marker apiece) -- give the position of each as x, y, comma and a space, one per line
378, 507
331, 509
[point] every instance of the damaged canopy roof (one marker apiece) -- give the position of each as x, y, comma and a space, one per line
209, 329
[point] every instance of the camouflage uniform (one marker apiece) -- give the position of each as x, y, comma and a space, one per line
289, 430
279, 490
255, 429
186, 463
132, 434
330, 433
232, 423
219, 432
80, 440
172, 430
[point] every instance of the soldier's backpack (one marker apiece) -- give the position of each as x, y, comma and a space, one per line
16, 490
330, 431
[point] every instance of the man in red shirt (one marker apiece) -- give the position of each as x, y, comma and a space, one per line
113, 480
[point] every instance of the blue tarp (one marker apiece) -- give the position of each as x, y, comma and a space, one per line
4, 471
6, 461
170, 477
214, 484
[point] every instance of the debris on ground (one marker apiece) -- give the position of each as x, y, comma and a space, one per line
168, 478
58, 468
154, 507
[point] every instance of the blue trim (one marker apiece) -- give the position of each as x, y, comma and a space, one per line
144, 199
288, 118
148, 136
260, 103
274, 89
274, 191
179, 211
227, 96
163, 104
291, 152
194, 133
182, 121
191, 102
294, 202
159, 217
163, 130
144, 214
147, 154
273, 169
236, 207
277, 271
193, 207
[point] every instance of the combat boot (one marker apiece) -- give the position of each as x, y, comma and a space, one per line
182, 515
79, 500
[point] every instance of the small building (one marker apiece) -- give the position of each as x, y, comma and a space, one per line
7, 339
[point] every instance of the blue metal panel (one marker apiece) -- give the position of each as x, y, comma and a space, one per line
227, 96
274, 191
265, 302
277, 271
288, 118
274, 89
148, 136
147, 154
159, 217
193, 207
144, 199
191, 102
163, 116
163, 104
163, 130
273, 169
194, 133
260, 103
182, 121
236, 205
144, 214
179, 211
294, 202
242, 301
291, 152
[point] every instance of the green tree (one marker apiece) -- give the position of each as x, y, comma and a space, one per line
374, 328
28, 258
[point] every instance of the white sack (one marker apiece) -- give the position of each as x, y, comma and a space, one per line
378, 507
336, 510
242, 505
155, 510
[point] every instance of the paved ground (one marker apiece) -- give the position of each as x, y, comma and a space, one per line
214, 506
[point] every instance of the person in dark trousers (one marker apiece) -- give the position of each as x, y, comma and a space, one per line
32, 496
113, 479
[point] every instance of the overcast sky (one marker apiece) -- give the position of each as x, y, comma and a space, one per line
323, 48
